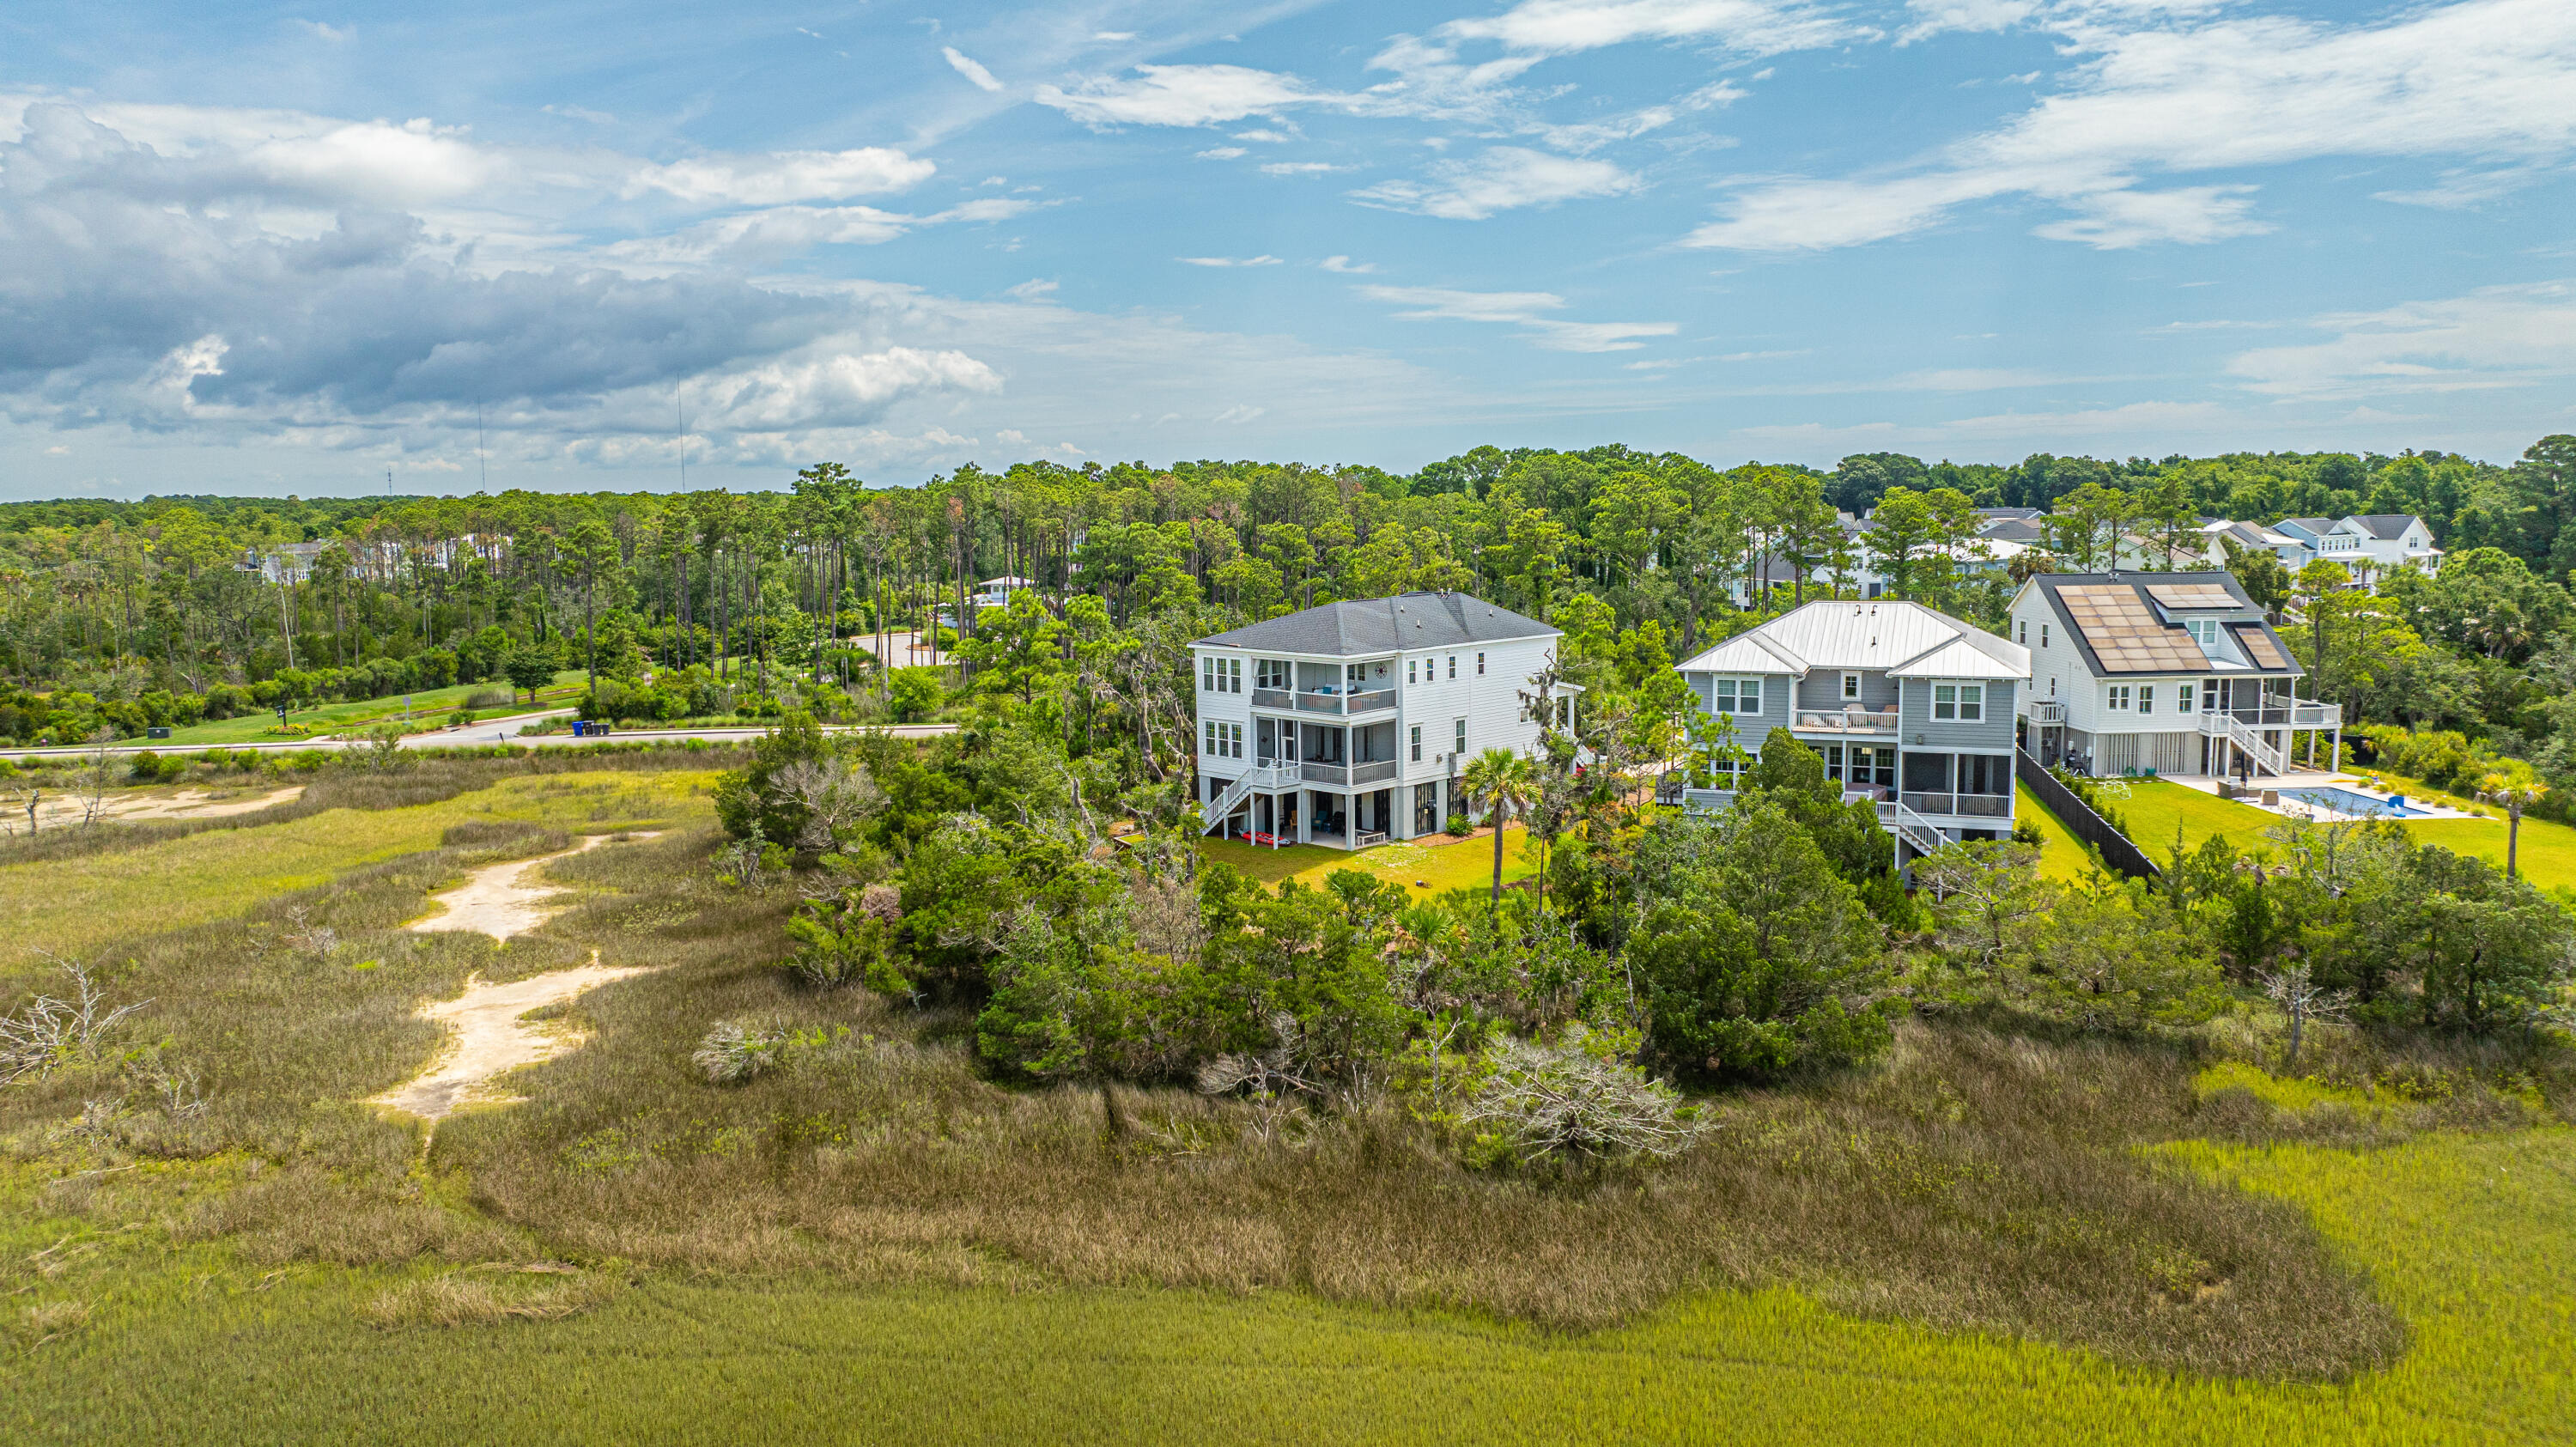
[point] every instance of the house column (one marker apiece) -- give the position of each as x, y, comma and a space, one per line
1305, 815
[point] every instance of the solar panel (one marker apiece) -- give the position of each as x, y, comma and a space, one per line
2126, 635
2260, 647
2191, 595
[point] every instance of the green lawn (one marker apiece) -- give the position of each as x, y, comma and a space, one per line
2062, 856
2547, 853
1426, 867
430, 706
2472, 1239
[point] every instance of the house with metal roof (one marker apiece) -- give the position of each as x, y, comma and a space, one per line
2174, 673
1911, 708
1347, 724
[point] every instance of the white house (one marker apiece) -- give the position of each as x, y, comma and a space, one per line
2178, 673
1910, 707
1348, 724
2369, 547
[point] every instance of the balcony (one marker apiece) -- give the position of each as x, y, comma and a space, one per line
2047, 713
1977, 806
1330, 705
1849, 720
1346, 776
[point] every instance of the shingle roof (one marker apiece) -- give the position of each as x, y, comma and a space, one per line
1385, 625
2386, 526
2142, 587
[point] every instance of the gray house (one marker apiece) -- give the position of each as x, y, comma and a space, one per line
1911, 708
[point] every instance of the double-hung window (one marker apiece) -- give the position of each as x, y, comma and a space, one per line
1221, 675
2025, 632
1739, 696
1462, 738
1222, 740
1414, 741
1480, 665
2182, 697
1270, 673
2043, 635
2146, 698
1851, 687
1961, 702
1453, 665
2119, 698
1408, 670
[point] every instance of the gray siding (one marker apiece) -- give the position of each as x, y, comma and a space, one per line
1750, 729
1991, 735
1824, 689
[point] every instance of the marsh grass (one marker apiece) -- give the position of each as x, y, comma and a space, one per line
1987, 1177
457, 1300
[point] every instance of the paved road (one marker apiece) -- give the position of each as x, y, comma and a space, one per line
489, 731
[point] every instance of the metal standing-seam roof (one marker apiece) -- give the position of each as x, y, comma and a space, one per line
1376, 626
1902, 638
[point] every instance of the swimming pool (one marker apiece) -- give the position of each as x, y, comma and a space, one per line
2345, 801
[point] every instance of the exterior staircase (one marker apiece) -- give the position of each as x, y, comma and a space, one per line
1909, 826
2220, 724
1257, 780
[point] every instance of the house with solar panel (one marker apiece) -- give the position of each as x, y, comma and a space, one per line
1911, 708
1348, 724
2175, 673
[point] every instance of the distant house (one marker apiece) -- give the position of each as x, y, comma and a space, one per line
2369, 547
2178, 673
1910, 707
1349, 724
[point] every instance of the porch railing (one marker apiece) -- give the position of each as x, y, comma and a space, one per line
1853, 720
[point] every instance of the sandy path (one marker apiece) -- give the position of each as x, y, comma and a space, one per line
59, 810
500, 900
491, 1038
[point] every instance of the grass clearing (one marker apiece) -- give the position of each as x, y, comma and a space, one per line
429, 706
2062, 856
2547, 853
72, 905
1425, 867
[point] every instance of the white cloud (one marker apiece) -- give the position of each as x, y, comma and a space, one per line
1526, 309
779, 177
2487, 78
1113, 36
1262, 260
778, 232
1299, 168
1497, 180
1034, 289
2510, 336
1238, 413
830, 389
1563, 27
1181, 95
1266, 135
966, 66
1936, 16
320, 31
1346, 266
1222, 153
2465, 188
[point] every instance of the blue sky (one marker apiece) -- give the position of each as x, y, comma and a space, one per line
274, 249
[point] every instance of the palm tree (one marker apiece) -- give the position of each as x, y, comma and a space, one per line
1507, 783
2515, 796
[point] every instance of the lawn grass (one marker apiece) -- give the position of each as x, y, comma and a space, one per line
72, 905
1428, 866
2155, 806
2062, 856
2547, 854
2471, 1237
429, 706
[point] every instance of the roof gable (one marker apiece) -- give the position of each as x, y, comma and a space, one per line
1365, 628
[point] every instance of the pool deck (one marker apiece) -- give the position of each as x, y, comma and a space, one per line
2416, 806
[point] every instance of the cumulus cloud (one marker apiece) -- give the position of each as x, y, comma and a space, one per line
776, 233
1526, 309
2508, 336
1265, 259
780, 177
1498, 180
966, 66
2483, 78
1563, 27
1182, 95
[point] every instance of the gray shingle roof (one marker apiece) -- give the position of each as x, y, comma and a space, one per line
2386, 526
1385, 625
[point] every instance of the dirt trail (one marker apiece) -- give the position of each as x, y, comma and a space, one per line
63, 809
491, 1038
499, 900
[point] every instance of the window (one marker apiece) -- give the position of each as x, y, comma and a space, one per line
1462, 738
1234, 740
2119, 698
1453, 665
1221, 675
1480, 665
2203, 631
1735, 695
2043, 635
1851, 685
2146, 698
1221, 740
1207, 737
2025, 632
1354, 676
1408, 670
1234, 675
1985, 774
1965, 702
2182, 697
1416, 743
1270, 673
1207, 674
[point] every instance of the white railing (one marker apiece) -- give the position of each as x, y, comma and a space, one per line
1909, 826
2306, 715
1256, 780
2222, 725
1374, 772
1851, 720
2047, 712
1341, 705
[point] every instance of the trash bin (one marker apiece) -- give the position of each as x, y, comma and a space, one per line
579, 728
156, 733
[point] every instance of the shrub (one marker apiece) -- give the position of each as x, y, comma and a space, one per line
731, 1054
1461, 825
913, 692
1578, 1099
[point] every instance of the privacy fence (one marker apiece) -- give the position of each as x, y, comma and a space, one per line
2117, 850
